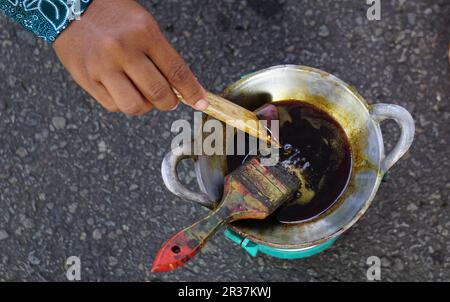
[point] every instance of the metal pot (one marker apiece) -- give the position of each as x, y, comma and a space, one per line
360, 121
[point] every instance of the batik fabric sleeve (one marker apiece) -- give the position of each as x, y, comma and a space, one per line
45, 18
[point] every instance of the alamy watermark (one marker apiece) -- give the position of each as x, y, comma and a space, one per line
374, 271
374, 11
216, 138
74, 9
73, 268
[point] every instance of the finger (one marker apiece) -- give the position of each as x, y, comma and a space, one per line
151, 83
147, 108
125, 94
176, 71
96, 90
99, 92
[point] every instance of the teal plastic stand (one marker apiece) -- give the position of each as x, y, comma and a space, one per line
254, 248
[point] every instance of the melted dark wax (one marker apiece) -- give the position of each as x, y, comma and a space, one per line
316, 149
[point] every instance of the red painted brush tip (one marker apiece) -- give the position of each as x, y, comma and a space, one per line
174, 253
160, 268
164, 261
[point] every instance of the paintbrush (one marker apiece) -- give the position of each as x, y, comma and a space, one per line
252, 191
236, 116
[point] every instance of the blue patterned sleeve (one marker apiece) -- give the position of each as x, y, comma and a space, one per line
45, 18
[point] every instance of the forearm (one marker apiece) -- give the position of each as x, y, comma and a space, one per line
45, 18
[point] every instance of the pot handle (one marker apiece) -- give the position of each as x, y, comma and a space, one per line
173, 183
382, 112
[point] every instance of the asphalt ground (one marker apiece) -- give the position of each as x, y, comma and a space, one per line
77, 181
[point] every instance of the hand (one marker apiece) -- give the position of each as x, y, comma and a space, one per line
118, 54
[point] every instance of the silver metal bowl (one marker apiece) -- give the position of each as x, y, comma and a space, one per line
360, 121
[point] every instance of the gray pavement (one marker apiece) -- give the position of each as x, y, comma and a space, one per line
75, 180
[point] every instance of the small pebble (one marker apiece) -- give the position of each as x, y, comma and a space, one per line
73, 208
102, 147
411, 207
22, 152
290, 48
3, 235
33, 259
324, 31
59, 122
83, 236
113, 261
97, 235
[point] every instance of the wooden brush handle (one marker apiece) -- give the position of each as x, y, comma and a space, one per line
250, 192
225, 110
234, 115
184, 245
